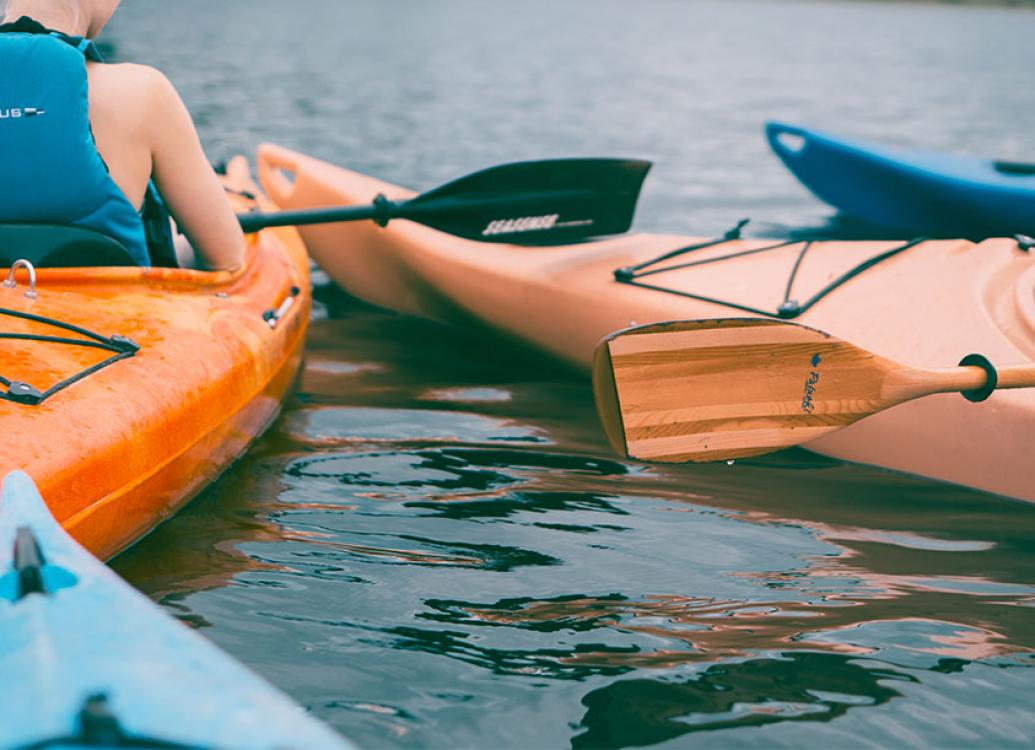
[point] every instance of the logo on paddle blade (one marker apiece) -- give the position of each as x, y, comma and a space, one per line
807, 404
523, 224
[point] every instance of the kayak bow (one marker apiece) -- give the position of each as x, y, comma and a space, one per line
88, 661
943, 195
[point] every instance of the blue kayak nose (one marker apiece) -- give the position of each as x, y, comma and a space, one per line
915, 191
97, 664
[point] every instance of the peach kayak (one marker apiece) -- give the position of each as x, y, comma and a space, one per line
124, 391
924, 303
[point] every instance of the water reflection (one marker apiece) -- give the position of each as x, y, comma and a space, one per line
792, 687
431, 552
328, 426
552, 663
513, 504
412, 474
685, 630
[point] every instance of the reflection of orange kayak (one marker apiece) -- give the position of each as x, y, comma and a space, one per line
122, 448
926, 304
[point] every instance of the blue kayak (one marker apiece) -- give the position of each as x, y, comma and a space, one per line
89, 662
920, 191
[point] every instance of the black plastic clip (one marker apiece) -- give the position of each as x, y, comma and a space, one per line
384, 210
625, 275
124, 343
98, 724
23, 393
734, 234
28, 564
991, 380
789, 309
1024, 242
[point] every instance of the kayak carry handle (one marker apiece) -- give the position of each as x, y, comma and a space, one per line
777, 133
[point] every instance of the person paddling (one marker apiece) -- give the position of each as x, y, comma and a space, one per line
100, 146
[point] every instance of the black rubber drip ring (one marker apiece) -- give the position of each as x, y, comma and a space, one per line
991, 380
384, 210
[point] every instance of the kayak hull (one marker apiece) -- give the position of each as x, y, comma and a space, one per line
928, 306
937, 194
125, 447
92, 634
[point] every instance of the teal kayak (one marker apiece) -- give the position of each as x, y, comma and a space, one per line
89, 662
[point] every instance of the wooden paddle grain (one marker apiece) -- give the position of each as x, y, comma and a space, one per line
734, 388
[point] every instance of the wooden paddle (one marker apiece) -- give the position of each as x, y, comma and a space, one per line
713, 390
537, 202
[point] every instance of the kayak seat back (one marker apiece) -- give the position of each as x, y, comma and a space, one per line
54, 246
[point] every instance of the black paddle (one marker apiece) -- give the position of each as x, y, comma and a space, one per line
533, 202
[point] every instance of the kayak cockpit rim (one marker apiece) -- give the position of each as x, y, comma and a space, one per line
148, 276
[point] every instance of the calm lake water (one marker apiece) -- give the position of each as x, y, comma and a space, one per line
434, 548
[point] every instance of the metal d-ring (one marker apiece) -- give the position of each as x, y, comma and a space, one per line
10, 283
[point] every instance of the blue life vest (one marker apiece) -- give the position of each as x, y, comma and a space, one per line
50, 169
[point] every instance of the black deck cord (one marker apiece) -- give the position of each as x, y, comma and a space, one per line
788, 308
55, 340
55, 323
633, 271
24, 393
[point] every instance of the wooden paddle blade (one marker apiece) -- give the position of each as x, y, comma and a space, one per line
721, 389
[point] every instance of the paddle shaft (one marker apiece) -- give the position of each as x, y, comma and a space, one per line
1016, 376
383, 210
916, 383
253, 222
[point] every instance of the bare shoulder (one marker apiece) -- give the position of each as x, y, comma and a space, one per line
137, 99
146, 85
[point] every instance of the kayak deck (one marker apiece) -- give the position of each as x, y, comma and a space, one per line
928, 306
91, 639
124, 447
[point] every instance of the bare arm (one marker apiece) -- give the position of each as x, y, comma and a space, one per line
187, 182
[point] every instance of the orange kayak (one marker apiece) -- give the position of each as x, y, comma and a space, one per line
170, 374
926, 304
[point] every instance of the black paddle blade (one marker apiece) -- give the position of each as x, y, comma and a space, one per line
535, 202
